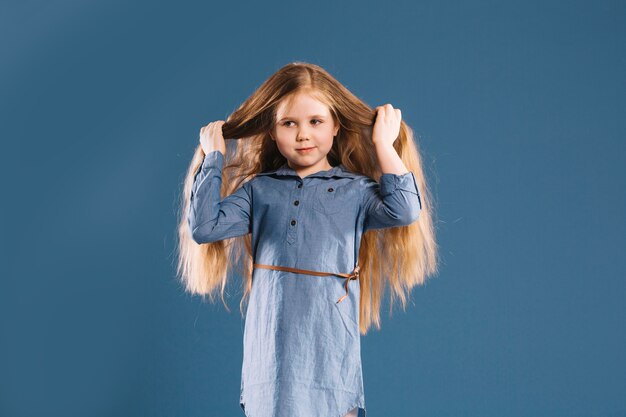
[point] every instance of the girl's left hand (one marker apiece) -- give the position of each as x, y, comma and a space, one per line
387, 125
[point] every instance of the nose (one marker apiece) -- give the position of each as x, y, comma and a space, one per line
303, 134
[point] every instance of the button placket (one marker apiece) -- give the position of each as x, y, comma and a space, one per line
293, 213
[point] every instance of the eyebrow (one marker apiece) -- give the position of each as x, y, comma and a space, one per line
319, 116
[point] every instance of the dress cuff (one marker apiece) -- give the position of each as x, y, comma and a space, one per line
214, 159
389, 183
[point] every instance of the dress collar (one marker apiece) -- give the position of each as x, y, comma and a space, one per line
336, 171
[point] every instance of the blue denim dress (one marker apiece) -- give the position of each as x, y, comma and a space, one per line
301, 352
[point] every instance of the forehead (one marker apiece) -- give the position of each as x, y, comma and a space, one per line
301, 104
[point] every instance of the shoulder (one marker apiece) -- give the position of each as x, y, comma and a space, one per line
357, 178
263, 180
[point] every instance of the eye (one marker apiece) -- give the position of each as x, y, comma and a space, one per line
289, 121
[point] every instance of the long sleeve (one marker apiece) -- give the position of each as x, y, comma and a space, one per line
210, 218
392, 203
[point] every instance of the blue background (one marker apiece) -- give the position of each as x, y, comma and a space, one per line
519, 108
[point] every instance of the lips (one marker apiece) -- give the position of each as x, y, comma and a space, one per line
304, 149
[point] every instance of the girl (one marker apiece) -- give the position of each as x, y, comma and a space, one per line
297, 208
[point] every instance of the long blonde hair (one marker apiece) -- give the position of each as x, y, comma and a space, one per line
404, 255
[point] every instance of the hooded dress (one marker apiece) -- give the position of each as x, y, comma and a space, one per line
301, 349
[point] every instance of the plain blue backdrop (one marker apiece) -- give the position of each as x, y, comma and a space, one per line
519, 110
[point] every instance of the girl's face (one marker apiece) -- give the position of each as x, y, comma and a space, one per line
304, 132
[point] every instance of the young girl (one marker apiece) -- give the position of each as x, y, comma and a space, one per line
297, 208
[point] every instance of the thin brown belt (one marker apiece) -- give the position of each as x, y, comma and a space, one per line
353, 275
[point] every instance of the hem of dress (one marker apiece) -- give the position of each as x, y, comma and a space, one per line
360, 411
359, 405
243, 408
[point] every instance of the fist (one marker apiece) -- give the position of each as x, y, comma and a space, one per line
212, 138
387, 125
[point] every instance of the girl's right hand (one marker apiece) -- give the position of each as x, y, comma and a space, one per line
212, 138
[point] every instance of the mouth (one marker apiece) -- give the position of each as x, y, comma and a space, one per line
306, 149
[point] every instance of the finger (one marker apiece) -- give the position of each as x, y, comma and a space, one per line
389, 110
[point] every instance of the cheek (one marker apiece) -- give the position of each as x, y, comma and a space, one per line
285, 146
281, 138
280, 144
326, 138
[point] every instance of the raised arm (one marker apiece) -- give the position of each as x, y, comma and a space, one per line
210, 218
396, 200
392, 203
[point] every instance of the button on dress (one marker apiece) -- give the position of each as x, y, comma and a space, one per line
301, 349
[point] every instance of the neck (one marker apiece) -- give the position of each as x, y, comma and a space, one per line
304, 171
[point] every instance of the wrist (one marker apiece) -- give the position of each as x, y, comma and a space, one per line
384, 148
